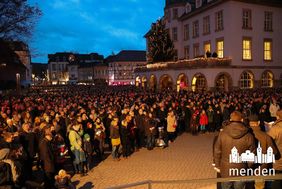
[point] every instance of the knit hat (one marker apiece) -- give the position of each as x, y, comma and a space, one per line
86, 136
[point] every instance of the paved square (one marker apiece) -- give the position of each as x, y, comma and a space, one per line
189, 157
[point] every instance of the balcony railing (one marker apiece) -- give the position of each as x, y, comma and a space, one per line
191, 63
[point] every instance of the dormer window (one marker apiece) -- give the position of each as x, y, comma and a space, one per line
187, 8
198, 3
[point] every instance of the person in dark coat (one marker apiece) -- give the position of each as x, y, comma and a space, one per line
150, 131
139, 119
235, 136
187, 118
27, 139
125, 136
47, 158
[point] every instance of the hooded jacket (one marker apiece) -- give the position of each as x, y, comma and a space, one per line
237, 135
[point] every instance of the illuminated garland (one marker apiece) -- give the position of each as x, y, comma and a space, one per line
187, 63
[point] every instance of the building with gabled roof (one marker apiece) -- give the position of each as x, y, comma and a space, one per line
122, 66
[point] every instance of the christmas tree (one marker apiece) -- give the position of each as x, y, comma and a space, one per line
160, 46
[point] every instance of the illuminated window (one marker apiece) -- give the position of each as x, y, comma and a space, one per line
220, 48
196, 29
219, 21
174, 34
206, 25
267, 79
196, 50
247, 49
207, 47
246, 80
199, 82
267, 48
186, 32
268, 21
247, 19
186, 52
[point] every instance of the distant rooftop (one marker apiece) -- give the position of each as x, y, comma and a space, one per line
64, 56
128, 56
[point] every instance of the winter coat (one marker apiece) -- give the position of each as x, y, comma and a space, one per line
233, 135
210, 114
114, 132
276, 133
47, 155
75, 140
28, 142
171, 123
265, 142
203, 119
150, 123
87, 147
140, 122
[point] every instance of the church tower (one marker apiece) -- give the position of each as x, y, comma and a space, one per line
259, 154
234, 157
269, 156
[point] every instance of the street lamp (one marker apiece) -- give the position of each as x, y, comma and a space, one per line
18, 76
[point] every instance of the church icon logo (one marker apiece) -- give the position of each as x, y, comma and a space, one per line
249, 156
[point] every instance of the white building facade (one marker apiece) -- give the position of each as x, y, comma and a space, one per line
245, 35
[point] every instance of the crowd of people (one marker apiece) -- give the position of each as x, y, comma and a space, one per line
43, 126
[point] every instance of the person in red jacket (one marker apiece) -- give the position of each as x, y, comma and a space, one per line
203, 120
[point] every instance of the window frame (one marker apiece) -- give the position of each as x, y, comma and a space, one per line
271, 49
217, 49
268, 80
246, 80
247, 19
219, 21
244, 49
270, 21
206, 25
195, 29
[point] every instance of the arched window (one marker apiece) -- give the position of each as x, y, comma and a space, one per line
246, 80
267, 79
199, 82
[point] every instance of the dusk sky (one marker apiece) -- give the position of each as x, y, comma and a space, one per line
84, 26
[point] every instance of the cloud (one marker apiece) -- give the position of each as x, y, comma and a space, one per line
93, 25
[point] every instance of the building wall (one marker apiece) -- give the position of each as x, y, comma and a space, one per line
58, 72
123, 72
25, 59
211, 75
73, 72
232, 33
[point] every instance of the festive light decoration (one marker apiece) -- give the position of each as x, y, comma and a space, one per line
187, 63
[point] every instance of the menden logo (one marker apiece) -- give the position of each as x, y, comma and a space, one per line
248, 156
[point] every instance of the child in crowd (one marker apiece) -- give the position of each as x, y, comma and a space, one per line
63, 180
87, 147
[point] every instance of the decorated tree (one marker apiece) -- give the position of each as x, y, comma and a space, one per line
160, 46
17, 19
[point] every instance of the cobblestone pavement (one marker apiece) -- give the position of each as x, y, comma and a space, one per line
189, 157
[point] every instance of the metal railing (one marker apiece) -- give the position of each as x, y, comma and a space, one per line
150, 183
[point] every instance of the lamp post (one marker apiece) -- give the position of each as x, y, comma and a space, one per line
18, 76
